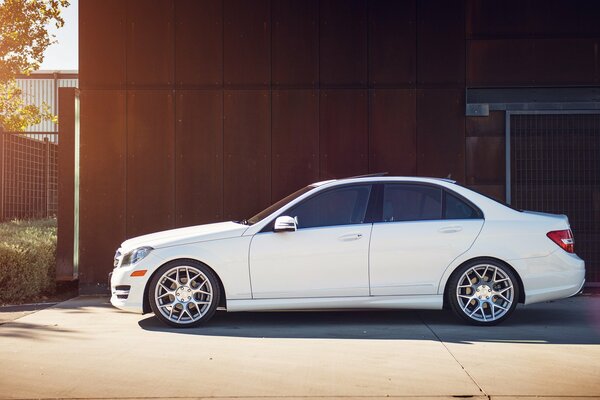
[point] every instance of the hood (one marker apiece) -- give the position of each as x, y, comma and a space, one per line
192, 234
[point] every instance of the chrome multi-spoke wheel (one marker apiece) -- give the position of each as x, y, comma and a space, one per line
184, 294
484, 293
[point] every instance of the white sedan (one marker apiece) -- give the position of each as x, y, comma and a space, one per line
358, 243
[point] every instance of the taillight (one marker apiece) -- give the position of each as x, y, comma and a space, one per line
564, 239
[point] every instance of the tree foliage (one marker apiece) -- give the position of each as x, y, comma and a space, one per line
23, 39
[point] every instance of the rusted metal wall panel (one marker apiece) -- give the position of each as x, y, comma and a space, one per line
295, 43
485, 161
66, 187
343, 42
441, 133
512, 62
343, 133
150, 43
486, 154
532, 18
247, 152
102, 51
198, 43
295, 140
393, 131
441, 42
497, 192
102, 182
247, 42
150, 165
199, 157
492, 125
392, 42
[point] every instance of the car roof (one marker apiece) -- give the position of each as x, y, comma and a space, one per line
383, 178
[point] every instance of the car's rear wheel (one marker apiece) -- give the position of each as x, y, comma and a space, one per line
483, 292
184, 293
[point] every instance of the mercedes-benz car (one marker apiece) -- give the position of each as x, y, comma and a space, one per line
373, 242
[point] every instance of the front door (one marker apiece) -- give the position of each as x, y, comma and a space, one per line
326, 257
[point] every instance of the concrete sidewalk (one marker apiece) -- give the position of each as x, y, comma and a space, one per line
84, 348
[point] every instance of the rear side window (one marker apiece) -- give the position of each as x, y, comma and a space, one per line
340, 206
404, 202
455, 208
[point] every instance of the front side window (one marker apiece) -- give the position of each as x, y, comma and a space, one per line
340, 206
406, 202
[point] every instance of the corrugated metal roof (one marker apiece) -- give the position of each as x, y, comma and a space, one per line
39, 90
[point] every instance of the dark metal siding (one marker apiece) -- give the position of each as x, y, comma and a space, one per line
295, 140
393, 131
247, 49
102, 34
392, 42
198, 157
295, 43
150, 164
198, 43
102, 185
247, 148
250, 99
343, 133
507, 62
150, 43
441, 42
343, 42
441, 133
485, 154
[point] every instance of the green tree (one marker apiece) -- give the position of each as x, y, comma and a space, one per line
23, 39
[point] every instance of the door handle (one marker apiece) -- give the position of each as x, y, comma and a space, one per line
350, 236
450, 229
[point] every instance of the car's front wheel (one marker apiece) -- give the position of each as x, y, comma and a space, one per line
184, 293
483, 292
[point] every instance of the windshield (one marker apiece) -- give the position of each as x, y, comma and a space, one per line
271, 209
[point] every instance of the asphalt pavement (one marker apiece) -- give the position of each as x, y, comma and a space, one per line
85, 348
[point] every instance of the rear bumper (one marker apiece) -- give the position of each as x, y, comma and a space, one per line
556, 276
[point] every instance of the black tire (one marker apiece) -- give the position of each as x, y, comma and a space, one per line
184, 293
483, 292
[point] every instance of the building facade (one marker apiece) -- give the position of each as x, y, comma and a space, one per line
195, 111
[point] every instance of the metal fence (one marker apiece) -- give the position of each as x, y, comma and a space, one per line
28, 175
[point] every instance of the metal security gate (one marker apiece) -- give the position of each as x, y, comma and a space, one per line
554, 167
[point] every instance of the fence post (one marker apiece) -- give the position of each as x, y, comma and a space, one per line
65, 253
46, 177
1, 174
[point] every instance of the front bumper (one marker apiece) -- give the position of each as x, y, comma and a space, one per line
127, 292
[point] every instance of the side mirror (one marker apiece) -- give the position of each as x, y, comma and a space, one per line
285, 224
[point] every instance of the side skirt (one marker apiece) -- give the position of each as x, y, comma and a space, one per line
422, 302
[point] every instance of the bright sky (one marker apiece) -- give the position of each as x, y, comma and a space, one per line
64, 54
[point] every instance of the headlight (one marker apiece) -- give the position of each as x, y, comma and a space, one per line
135, 255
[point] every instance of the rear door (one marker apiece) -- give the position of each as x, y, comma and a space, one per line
422, 228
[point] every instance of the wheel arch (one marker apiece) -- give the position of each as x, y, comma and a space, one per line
484, 259
146, 303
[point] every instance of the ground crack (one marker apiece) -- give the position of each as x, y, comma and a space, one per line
455, 359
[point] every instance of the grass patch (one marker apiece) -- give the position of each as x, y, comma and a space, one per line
27, 260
